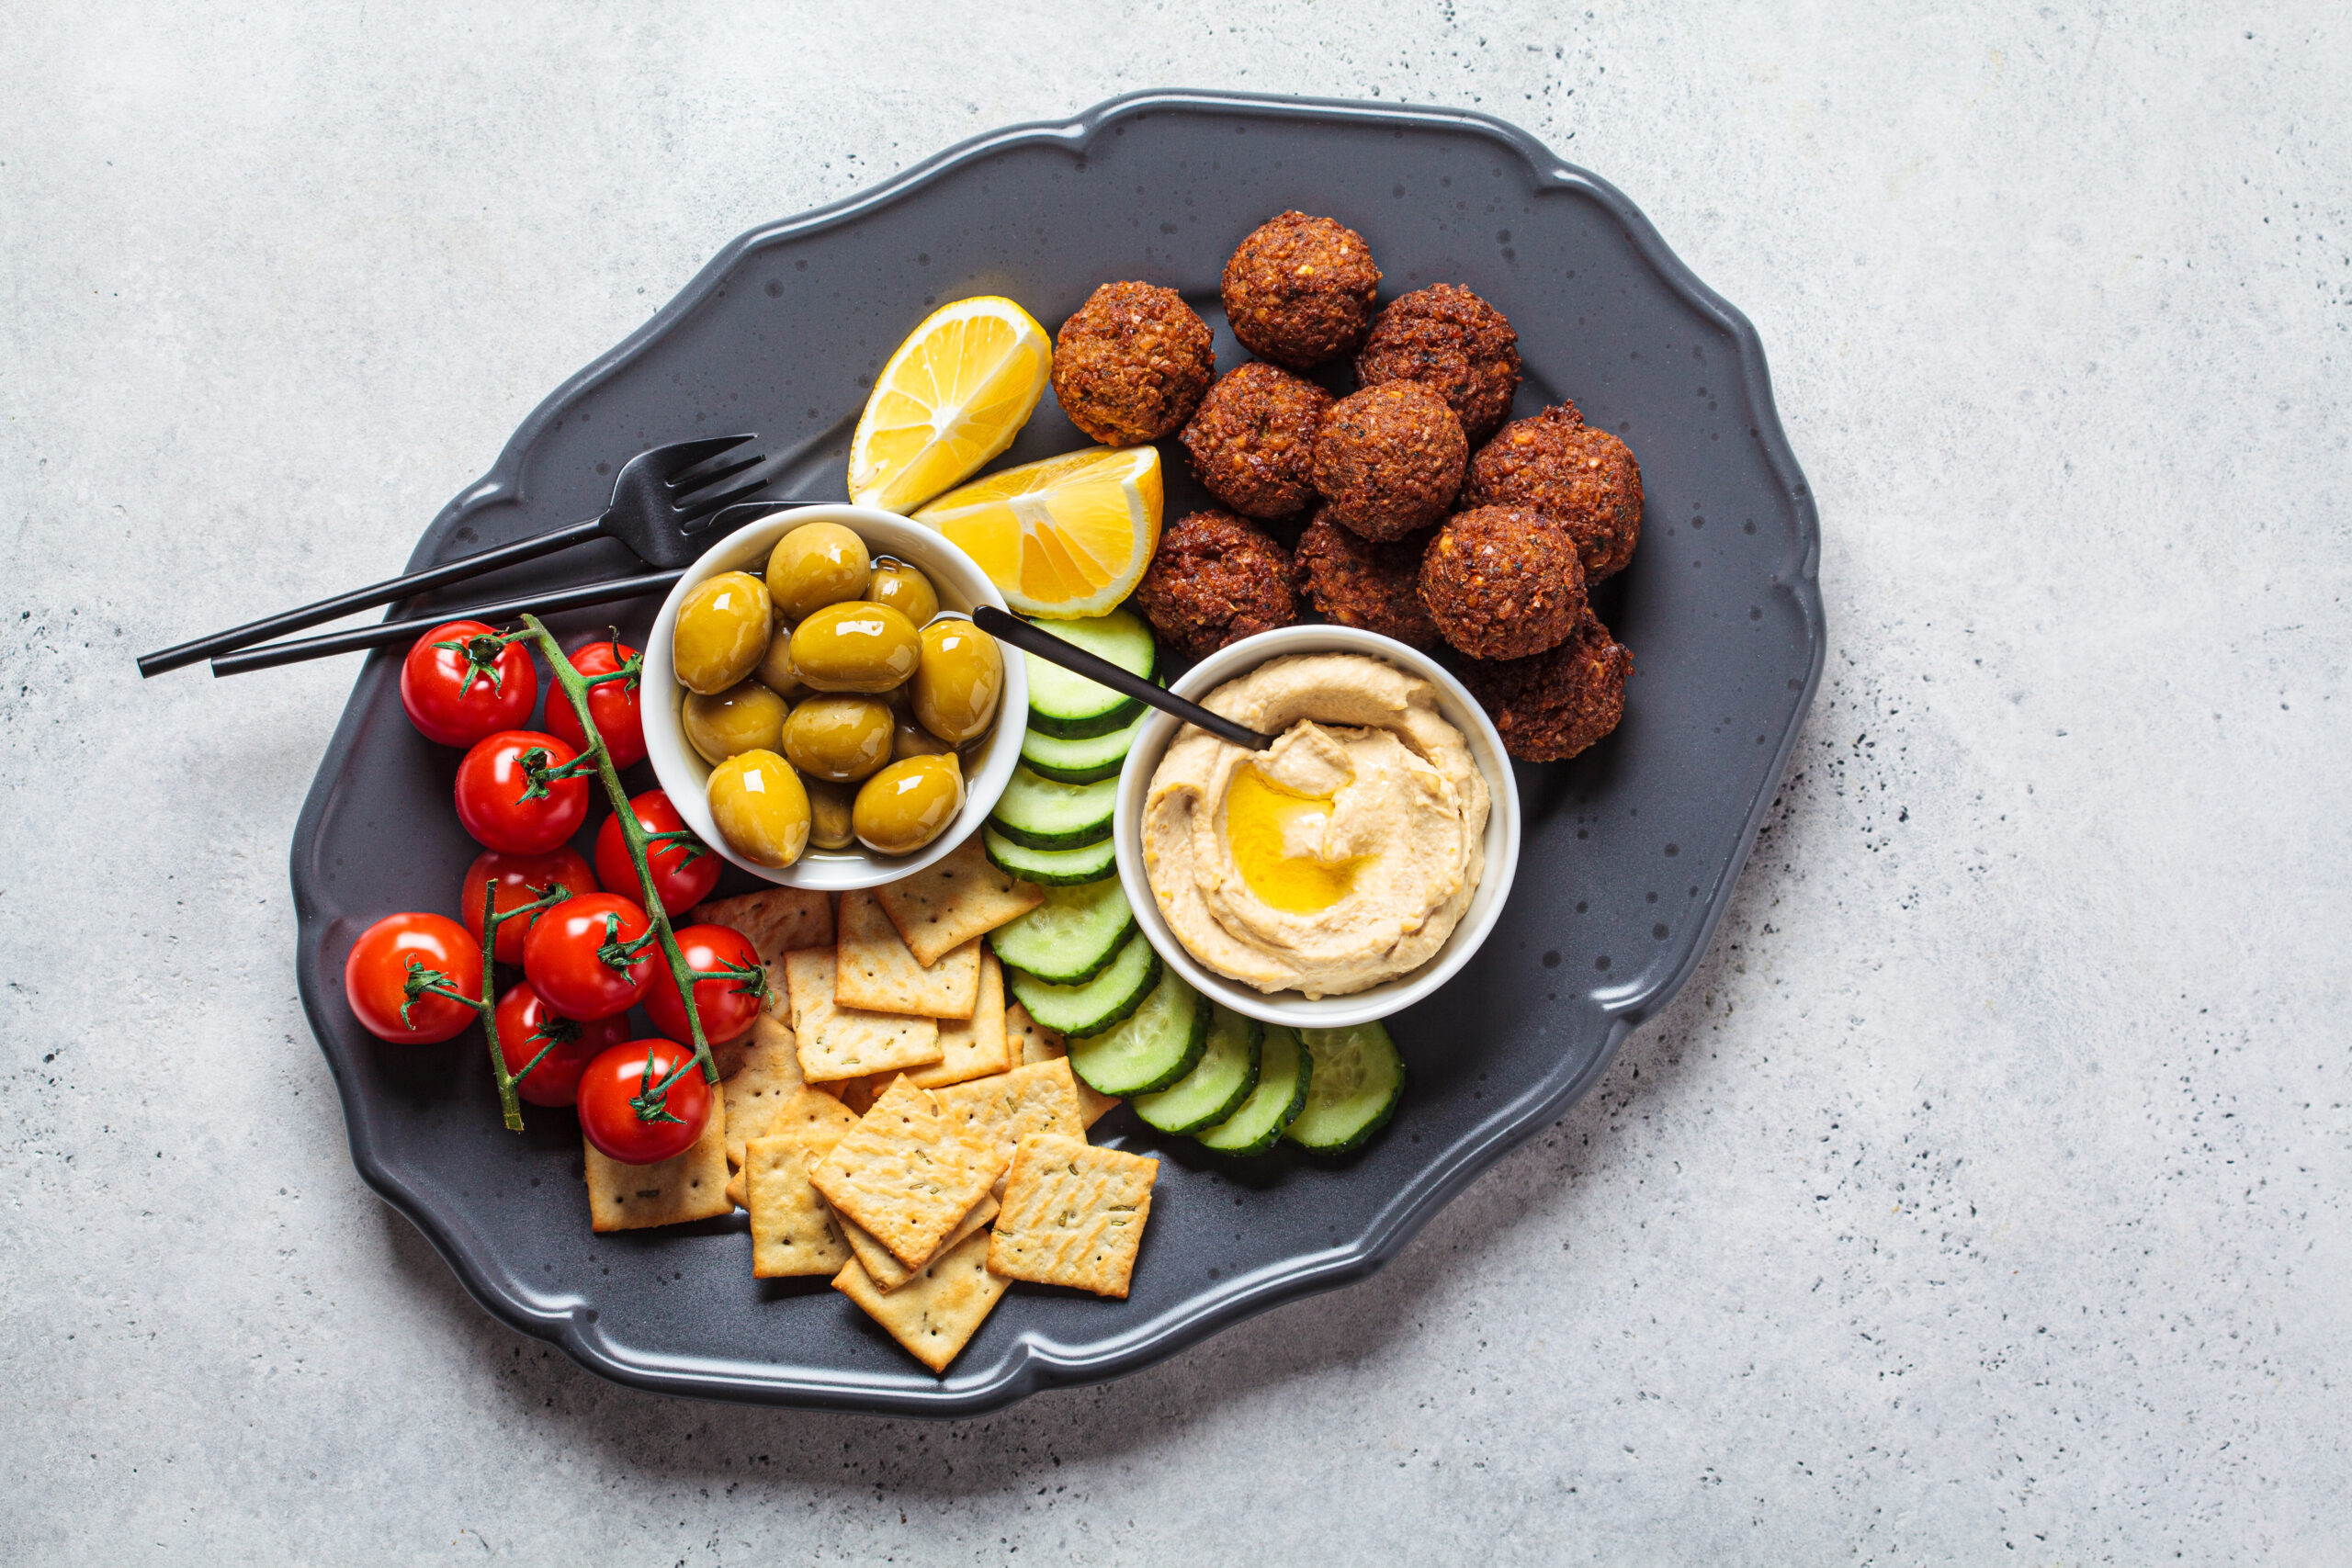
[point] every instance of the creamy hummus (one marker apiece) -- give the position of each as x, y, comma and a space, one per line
1344, 855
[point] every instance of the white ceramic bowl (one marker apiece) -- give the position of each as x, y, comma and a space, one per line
1293, 1008
682, 773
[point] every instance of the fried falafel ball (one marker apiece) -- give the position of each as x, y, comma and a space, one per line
1252, 443
1130, 366
1356, 582
1584, 480
1299, 290
1389, 459
1214, 579
1502, 583
1451, 342
1555, 704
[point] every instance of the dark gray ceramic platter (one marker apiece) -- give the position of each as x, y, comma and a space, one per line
1631, 849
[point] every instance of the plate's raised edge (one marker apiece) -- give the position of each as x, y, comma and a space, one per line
1040, 1364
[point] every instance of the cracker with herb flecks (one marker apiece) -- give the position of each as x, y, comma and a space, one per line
879, 973
1073, 1215
902, 1174
948, 903
689, 1185
887, 1272
1035, 1100
837, 1042
1033, 1042
767, 1070
817, 1120
776, 921
935, 1314
792, 1231
977, 1046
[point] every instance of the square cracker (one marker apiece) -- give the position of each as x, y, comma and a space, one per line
690, 1185
1073, 1214
879, 972
887, 1272
947, 904
1033, 1042
776, 921
792, 1231
766, 1070
814, 1120
936, 1315
903, 1175
859, 1094
977, 1046
1036, 1100
838, 1042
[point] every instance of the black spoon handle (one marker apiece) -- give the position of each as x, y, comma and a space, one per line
1078, 661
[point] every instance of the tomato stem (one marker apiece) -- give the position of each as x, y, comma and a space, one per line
509, 1104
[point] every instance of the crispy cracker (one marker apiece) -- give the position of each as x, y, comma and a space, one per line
768, 1071
1033, 1042
1035, 1100
945, 905
815, 1121
792, 1231
1073, 1214
887, 1272
838, 1042
878, 972
776, 921
690, 1186
904, 1176
936, 1315
977, 1046
859, 1094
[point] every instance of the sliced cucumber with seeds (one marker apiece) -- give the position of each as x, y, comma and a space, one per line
1117, 991
1152, 1049
1075, 707
1050, 868
1219, 1082
1285, 1072
1081, 762
1073, 936
1359, 1077
1048, 815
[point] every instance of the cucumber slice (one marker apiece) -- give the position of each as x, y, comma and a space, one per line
1048, 815
1050, 868
1098, 1004
1152, 1049
1081, 762
1073, 936
1075, 707
1284, 1070
1359, 1078
1219, 1082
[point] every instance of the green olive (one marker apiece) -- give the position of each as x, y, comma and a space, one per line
815, 565
760, 808
828, 815
909, 738
908, 803
775, 668
856, 647
958, 680
722, 632
746, 716
842, 739
904, 589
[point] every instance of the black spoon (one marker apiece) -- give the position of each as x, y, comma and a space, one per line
1078, 661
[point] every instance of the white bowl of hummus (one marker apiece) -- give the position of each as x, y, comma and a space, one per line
1347, 871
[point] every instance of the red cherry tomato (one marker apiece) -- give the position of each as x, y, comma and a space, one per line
383, 977
527, 1027
459, 683
684, 872
727, 1007
505, 807
613, 705
520, 880
625, 1078
564, 957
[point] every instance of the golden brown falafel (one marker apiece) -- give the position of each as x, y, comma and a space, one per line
1214, 579
1584, 480
1131, 365
1451, 340
1299, 290
1252, 443
1355, 581
1554, 705
1389, 459
1502, 583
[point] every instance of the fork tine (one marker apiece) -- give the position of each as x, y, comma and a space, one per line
677, 458
681, 488
704, 508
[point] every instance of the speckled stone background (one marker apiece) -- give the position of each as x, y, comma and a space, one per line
1987, 1197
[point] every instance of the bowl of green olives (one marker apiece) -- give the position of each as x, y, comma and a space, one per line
819, 706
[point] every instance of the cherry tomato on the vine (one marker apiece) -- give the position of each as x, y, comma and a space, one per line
527, 1026
506, 801
626, 1078
461, 682
727, 1007
392, 962
612, 704
520, 880
565, 957
684, 871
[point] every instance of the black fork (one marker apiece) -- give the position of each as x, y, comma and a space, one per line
662, 501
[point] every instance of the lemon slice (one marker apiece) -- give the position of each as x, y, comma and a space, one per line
1063, 538
955, 395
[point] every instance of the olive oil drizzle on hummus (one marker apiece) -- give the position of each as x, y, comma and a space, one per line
1277, 836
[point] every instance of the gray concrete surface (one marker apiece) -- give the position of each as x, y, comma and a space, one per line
1983, 1200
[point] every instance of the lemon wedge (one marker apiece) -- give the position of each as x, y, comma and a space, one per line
953, 395
1062, 538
